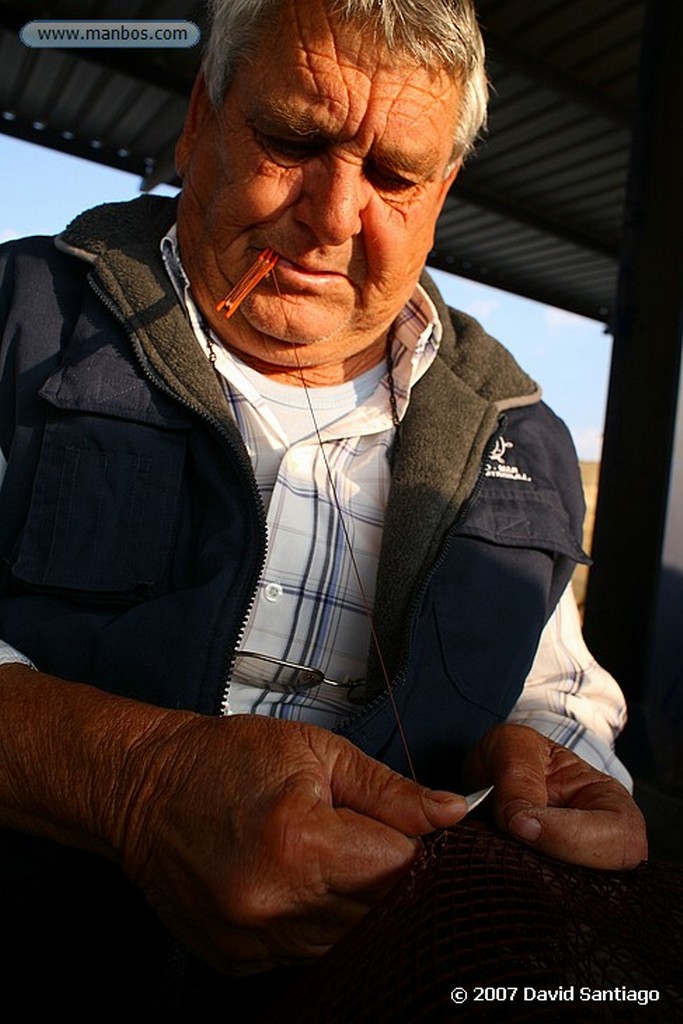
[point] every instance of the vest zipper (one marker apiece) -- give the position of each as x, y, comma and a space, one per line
153, 377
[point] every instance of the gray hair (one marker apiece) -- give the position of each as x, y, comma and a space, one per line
435, 33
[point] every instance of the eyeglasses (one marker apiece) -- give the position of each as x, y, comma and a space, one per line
290, 676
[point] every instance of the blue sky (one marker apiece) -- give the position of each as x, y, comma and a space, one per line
567, 354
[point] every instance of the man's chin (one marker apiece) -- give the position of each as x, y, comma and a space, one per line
300, 328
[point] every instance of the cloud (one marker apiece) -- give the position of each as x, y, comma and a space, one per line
478, 300
483, 309
561, 320
588, 441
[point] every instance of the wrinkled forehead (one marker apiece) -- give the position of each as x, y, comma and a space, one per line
346, 79
306, 30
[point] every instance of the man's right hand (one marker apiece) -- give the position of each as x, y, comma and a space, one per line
261, 842
257, 841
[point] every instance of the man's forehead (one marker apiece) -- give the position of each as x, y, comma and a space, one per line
338, 70
399, 108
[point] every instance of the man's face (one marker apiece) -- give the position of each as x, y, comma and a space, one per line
332, 152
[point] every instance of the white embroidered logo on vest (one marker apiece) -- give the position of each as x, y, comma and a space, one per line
498, 467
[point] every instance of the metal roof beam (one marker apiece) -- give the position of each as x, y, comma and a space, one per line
478, 196
506, 54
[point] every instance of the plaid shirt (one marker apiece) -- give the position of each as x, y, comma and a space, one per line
313, 601
310, 607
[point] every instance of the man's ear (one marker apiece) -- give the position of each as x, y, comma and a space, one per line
198, 110
447, 182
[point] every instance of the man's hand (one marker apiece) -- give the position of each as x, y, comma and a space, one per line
257, 841
261, 842
555, 802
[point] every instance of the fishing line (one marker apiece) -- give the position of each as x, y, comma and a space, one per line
349, 546
262, 266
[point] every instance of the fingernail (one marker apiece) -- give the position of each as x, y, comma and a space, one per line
440, 797
525, 827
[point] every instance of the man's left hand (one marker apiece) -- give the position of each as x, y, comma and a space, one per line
555, 802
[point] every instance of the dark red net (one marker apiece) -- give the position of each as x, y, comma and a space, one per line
483, 913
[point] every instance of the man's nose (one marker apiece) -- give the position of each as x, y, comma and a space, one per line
333, 196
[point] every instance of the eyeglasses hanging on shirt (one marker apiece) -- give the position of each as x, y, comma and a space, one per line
290, 676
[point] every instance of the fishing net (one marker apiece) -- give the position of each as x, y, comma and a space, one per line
484, 929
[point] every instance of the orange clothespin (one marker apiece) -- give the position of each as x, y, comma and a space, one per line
261, 267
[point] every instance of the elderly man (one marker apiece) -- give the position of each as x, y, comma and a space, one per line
209, 521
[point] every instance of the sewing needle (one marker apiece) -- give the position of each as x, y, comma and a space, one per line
474, 799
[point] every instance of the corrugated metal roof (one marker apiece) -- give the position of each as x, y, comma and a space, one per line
537, 211
120, 107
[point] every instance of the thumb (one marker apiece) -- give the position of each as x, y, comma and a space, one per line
370, 788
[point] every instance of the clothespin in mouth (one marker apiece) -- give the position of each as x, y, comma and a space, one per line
259, 269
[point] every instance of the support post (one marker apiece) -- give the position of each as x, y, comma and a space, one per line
636, 463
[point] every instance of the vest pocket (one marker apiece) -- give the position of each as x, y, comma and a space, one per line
487, 620
103, 508
502, 573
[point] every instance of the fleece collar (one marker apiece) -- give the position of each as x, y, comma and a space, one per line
121, 242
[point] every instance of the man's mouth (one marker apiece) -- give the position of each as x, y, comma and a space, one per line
293, 270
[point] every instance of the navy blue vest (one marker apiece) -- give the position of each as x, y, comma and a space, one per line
131, 535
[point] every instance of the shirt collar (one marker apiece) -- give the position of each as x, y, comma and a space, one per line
417, 330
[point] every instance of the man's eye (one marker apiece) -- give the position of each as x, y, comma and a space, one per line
287, 152
388, 181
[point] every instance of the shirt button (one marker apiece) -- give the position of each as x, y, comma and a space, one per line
272, 592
